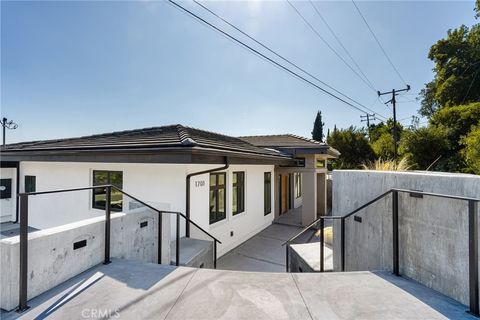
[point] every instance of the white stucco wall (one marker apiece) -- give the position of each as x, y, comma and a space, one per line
162, 185
433, 232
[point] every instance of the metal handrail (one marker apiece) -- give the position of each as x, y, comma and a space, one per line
472, 237
166, 211
23, 234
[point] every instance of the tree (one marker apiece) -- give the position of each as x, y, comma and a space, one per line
381, 139
457, 70
477, 9
354, 148
424, 146
471, 152
317, 133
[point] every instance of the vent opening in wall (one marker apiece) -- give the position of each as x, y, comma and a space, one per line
143, 224
79, 244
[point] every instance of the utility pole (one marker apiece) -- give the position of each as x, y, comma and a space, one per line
367, 119
7, 125
415, 122
393, 101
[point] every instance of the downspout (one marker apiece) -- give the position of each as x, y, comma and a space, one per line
18, 191
187, 205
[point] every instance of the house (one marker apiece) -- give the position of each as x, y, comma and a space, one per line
232, 187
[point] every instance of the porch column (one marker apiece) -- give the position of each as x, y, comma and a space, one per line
309, 196
322, 194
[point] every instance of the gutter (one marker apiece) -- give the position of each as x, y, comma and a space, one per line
187, 200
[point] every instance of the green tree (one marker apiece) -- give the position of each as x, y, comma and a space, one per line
317, 133
354, 148
457, 70
381, 139
424, 146
471, 152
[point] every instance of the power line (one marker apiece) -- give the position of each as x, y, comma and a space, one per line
379, 44
190, 13
329, 46
340, 42
283, 58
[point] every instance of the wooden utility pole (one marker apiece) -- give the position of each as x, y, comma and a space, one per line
367, 119
393, 101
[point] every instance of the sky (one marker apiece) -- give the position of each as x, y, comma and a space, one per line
79, 68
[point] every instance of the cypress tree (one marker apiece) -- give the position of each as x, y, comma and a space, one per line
317, 133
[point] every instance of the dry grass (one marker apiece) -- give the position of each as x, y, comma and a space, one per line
387, 165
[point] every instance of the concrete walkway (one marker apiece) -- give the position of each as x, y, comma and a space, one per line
136, 290
263, 252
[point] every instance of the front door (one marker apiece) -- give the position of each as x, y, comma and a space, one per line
284, 194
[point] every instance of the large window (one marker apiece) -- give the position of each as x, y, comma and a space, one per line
298, 185
217, 197
99, 195
267, 193
30, 183
238, 203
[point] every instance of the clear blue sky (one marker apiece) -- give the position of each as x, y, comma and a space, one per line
78, 68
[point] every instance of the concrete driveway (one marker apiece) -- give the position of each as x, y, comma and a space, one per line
263, 252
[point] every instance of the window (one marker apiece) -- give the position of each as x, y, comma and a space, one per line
298, 185
30, 183
238, 203
99, 195
217, 197
267, 193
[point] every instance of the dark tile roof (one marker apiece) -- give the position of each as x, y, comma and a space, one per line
176, 136
286, 142
283, 140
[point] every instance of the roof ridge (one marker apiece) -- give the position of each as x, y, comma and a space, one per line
95, 135
184, 135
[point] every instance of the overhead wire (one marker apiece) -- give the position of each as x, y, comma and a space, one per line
258, 53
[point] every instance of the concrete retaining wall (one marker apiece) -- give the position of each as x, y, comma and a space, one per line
52, 258
433, 233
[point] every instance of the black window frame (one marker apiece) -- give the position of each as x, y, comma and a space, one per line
27, 185
267, 193
238, 188
103, 191
216, 189
298, 184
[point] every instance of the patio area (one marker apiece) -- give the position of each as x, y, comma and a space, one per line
136, 290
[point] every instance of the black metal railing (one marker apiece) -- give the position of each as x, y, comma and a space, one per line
23, 233
472, 237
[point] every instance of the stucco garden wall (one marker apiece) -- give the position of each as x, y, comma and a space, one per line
433, 232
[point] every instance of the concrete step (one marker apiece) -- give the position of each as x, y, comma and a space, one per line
193, 253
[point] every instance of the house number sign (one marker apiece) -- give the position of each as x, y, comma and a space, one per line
200, 183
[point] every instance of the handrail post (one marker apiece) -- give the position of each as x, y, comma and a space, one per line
322, 223
214, 254
342, 244
159, 249
23, 253
177, 249
108, 197
395, 251
286, 257
473, 256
